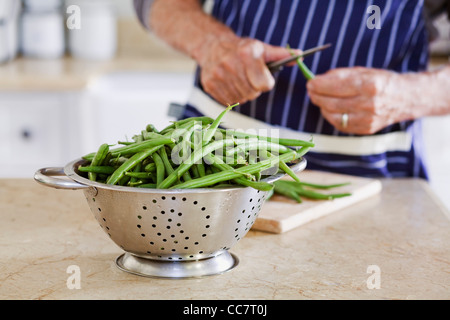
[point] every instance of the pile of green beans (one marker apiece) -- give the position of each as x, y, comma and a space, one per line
193, 153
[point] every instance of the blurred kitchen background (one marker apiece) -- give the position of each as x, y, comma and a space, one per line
64, 91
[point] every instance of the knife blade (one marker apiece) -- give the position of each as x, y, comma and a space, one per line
277, 65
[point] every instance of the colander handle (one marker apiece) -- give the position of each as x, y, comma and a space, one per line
299, 166
46, 176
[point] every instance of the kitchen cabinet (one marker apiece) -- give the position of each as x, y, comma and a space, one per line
37, 129
51, 128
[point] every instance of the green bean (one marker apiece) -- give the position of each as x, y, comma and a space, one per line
136, 183
117, 161
302, 151
160, 169
256, 145
145, 162
174, 125
263, 186
187, 176
288, 171
286, 191
214, 169
183, 147
139, 138
165, 159
212, 129
201, 169
322, 186
298, 189
151, 128
152, 135
190, 130
150, 167
181, 136
123, 180
139, 175
308, 74
136, 169
284, 142
258, 185
285, 168
135, 147
300, 185
99, 156
138, 147
131, 163
97, 169
194, 172
319, 196
235, 160
218, 163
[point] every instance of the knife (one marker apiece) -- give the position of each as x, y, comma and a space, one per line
278, 65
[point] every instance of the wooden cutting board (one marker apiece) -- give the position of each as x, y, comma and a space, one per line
281, 214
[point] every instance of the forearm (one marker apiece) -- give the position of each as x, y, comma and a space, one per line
232, 68
429, 93
185, 27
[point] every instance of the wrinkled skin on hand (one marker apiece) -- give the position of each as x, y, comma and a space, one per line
372, 98
234, 70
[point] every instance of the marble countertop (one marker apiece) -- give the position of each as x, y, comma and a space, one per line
401, 236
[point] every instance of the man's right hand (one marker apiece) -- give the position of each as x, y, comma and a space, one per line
235, 70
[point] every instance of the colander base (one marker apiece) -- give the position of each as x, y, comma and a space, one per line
219, 264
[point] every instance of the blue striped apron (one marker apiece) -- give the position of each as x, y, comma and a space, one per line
400, 45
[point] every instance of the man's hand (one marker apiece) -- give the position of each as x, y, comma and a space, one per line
372, 98
234, 70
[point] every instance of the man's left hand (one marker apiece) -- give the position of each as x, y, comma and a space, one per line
372, 98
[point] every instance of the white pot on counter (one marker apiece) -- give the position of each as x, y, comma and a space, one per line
42, 5
96, 39
9, 34
43, 35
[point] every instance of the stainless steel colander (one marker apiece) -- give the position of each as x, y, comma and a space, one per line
168, 233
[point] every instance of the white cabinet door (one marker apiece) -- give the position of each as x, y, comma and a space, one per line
35, 132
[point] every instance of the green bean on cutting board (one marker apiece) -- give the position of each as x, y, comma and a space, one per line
193, 153
296, 189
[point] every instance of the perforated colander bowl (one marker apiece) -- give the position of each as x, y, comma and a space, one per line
168, 233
